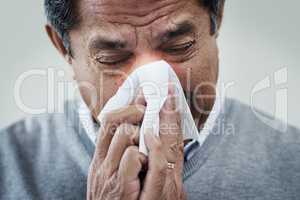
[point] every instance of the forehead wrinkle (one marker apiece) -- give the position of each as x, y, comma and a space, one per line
138, 14
111, 26
136, 9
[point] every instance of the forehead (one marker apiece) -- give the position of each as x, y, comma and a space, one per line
122, 19
134, 12
137, 13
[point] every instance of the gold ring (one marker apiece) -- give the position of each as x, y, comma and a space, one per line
171, 165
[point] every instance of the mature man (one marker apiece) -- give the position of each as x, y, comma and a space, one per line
65, 156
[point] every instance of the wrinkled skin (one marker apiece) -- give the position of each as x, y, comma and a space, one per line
117, 162
113, 38
121, 21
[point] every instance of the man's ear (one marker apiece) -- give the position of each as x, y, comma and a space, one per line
57, 42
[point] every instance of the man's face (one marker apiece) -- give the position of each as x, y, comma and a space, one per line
115, 37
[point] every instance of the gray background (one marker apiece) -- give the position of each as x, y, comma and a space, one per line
258, 38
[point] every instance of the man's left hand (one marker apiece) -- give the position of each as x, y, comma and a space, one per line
165, 162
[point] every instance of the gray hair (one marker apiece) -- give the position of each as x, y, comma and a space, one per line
62, 16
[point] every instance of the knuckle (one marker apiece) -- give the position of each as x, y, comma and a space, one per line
106, 169
122, 130
126, 130
108, 126
132, 150
102, 185
132, 153
112, 188
94, 164
177, 148
162, 167
109, 118
97, 172
105, 165
177, 113
177, 117
112, 119
170, 122
136, 113
158, 147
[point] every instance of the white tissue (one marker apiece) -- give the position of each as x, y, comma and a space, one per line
154, 79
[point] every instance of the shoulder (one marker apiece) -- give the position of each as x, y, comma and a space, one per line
266, 145
262, 130
43, 149
36, 124
30, 134
247, 116
33, 131
40, 123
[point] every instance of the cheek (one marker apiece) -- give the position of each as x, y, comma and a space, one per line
96, 89
119, 82
125, 72
182, 71
106, 88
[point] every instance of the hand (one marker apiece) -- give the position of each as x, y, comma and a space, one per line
115, 168
162, 183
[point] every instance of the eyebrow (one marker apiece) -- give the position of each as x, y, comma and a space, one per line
180, 29
101, 42
183, 28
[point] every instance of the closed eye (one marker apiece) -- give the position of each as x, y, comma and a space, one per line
113, 58
179, 48
109, 61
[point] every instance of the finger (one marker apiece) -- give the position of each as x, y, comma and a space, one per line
170, 129
130, 166
125, 136
169, 115
157, 168
160, 180
131, 114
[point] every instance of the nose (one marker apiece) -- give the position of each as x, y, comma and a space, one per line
140, 60
144, 59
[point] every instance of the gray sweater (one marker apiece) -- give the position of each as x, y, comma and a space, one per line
48, 156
